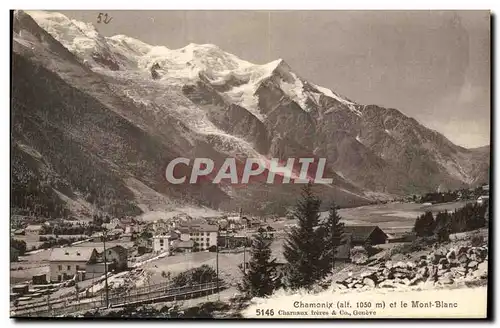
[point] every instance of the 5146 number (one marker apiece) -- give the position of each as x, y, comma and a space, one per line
262, 312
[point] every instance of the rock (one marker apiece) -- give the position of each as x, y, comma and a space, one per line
387, 284
367, 274
410, 265
423, 271
358, 285
406, 281
433, 273
416, 280
434, 258
386, 272
463, 259
461, 250
388, 265
472, 264
459, 271
359, 258
343, 283
422, 263
400, 264
443, 260
369, 282
442, 272
399, 275
443, 267
446, 279
482, 270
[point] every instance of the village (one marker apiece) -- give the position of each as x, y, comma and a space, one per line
126, 246
81, 263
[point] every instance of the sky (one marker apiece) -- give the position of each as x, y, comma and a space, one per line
431, 65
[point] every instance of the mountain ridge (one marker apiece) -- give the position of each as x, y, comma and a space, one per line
209, 103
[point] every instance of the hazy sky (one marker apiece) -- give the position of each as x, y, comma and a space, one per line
431, 65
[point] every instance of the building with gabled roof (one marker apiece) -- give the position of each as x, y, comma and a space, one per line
364, 234
66, 262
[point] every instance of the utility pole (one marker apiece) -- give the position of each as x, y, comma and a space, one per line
217, 261
104, 235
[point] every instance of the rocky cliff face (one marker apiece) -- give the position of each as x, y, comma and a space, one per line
87, 113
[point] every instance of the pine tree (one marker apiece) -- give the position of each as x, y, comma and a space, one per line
442, 227
260, 279
424, 225
333, 231
303, 248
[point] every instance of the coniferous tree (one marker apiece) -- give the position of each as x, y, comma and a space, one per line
260, 279
442, 227
303, 247
424, 225
333, 231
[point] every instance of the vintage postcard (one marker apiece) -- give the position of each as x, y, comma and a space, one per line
250, 164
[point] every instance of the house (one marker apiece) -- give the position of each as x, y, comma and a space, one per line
183, 246
161, 243
343, 252
33, 230
97, 237
362, 235
482, 199
183, 233
66, 262
116, 255
204, 236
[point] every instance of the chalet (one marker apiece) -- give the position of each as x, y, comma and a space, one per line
362, 235
33, 230
116, 255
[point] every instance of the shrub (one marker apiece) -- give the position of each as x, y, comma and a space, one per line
477, 241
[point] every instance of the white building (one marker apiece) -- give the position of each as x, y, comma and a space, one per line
161, 244
482, 199
33, 230
204, 236
68, 261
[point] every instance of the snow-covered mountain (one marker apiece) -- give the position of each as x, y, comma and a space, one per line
125, 108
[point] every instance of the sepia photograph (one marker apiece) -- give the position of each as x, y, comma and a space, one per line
250, 164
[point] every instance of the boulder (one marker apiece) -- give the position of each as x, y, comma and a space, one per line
472, 264
369, 282
423, 271
463, 259
359, 258
400, 264
443, 260
461, 250
416, 280
446, 278
422, 263
387, 284
367, 274
451, 255
482, 270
